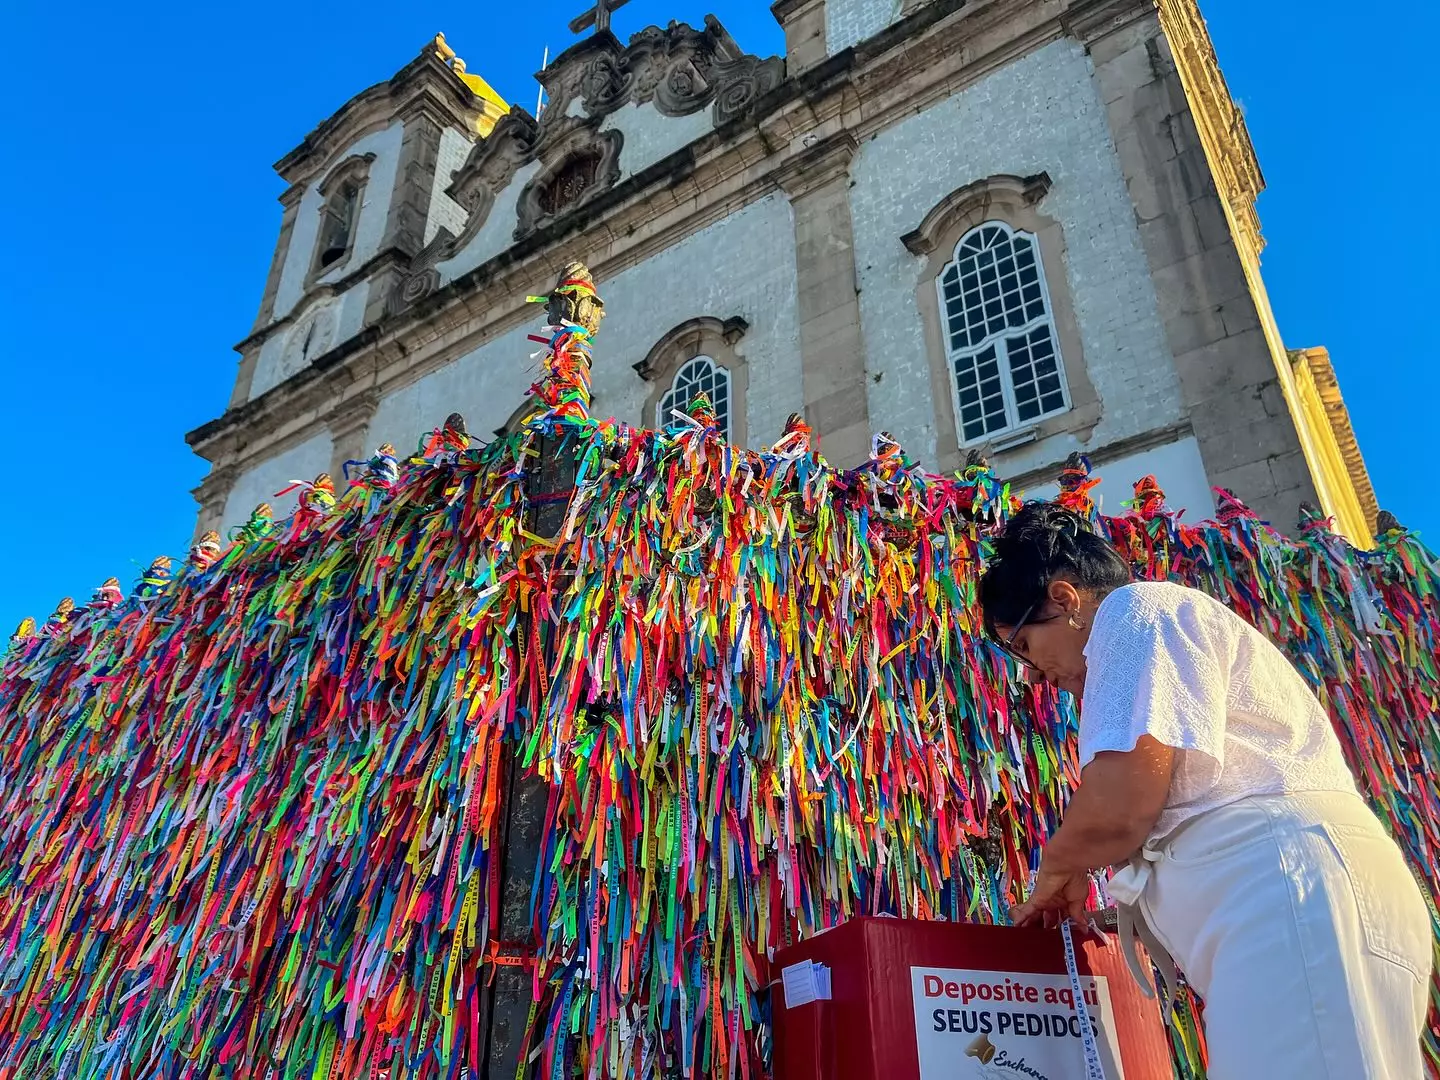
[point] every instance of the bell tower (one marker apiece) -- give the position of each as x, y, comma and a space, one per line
365, 192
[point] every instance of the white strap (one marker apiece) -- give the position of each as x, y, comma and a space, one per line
1093, 1069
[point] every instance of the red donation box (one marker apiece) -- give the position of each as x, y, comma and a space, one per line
953, 1001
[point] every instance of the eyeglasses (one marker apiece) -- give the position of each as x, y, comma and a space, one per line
1008, 645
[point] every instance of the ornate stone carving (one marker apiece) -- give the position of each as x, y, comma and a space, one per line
421, 278
490, 167
492, 164
574, 299
605, 85
580, 166
740, 83
690, 338
680, 69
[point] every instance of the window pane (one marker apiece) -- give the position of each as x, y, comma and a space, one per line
1034, 374
981, 395
993, 289
701, 375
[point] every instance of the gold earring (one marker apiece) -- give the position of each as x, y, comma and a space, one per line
1076, 623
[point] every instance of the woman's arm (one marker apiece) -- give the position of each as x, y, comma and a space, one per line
1120, 797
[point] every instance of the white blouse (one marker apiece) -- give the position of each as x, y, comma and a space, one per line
1181, 667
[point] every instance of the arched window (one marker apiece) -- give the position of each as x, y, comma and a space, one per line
701, 374
337, 224
343, 192
999, 333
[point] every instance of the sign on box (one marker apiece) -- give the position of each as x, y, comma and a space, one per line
996, 1025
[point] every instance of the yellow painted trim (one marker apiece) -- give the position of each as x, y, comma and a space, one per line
1323, 413
484, 90
1209, 98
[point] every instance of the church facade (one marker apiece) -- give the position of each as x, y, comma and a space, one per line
1017, 228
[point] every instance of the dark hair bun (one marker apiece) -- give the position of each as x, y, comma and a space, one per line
1040, 525
1042, 542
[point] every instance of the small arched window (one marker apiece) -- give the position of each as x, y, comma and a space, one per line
337, 224
999, 331
699, 375
343, 192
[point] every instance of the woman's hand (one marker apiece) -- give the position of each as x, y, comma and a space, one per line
1056, 895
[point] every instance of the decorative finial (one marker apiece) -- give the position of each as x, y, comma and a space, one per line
574, 299
61, 616
573, 312
23, 633
442, 48
445, 444
107, 596
887, 456
383, 469
262, 520
1312, 518
206, 550
1076, 483
1149, 499
1229, 509
319, 497
795, 441
155, 579
457, 435
701, 411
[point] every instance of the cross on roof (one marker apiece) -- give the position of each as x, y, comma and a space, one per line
598, 16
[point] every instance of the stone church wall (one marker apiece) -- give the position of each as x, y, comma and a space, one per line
849, 22
283, 354
259, 485
1041, 113
743, 265
443, 210
651, 136
375, 208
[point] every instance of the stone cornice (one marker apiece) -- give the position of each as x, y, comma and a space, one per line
425, 83
1090, 21
1327, 388
1018, 190
1221, 125
940, 48
383, 259
816, 165
784, 9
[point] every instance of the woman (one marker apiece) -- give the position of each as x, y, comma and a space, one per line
1210, 770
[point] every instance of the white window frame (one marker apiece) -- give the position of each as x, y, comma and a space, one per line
997, 340
664, 415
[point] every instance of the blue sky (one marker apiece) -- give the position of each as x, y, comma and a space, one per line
141, 214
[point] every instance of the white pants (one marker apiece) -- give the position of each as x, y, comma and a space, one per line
1297, 920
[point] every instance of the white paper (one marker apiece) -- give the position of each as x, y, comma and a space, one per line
822, 981
999, 1025
800, 984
